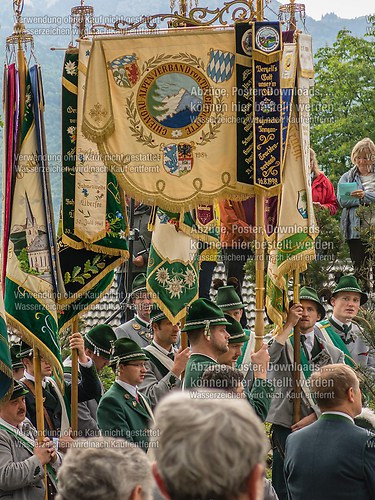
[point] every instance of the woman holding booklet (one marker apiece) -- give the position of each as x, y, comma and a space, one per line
357, 187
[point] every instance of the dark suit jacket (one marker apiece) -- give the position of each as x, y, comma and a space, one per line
88, 388
121, 416
331, 459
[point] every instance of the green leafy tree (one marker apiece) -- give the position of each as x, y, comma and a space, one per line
342, 106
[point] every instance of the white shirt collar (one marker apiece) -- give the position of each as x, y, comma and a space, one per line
340, 323
130, 388
206, 355
338, 413
309, 342
32, 379
161, 349
4, 422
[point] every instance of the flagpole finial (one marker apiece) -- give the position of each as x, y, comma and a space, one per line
18, 8
288, 13
20, 36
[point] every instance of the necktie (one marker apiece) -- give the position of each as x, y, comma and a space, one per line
346, 328
171, 355
303, 344
137, 397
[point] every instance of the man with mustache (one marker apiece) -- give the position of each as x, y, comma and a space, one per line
21, 460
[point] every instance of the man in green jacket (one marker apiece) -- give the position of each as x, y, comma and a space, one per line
123, 411
206, 328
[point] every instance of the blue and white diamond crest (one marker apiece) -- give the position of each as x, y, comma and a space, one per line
220, 66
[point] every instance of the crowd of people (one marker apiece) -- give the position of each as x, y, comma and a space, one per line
186, 423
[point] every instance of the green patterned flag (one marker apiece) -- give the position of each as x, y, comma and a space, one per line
32, 278
94, 228
276, 291
6, 375
172, 273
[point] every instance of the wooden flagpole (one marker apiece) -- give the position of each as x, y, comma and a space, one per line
39, 407
297, 355
259, 247
74, 392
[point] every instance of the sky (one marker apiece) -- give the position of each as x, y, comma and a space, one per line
342, 8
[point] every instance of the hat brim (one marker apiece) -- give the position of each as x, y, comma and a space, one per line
196, 325
17, 365
231, 307
126, 360
238, 340
321, 309
19, 393
364, 296
137, 290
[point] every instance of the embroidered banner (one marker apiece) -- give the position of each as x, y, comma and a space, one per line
305, 55
267, 111
297, 227
161, 109
172, 273
90, 200
244, 104
6, 373
31, 287
288, 83
87, 269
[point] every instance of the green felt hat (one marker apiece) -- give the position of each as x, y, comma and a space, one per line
308, 293
14, 352
25, 351
228, 299
18, 390
349, 283
203, 313
156, 314
126, 350
139, 284
99, 340
235, 330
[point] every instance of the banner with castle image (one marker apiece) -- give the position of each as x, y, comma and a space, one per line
162, 110
32, 274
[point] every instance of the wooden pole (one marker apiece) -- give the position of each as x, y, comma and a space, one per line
260, 8
297, 356
74, 393
259, 271
259, 246
38, 388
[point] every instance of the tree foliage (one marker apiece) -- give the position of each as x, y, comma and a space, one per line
342, 106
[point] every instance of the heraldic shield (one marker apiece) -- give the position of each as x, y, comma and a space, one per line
220, 66
178, 158
302, 203
125, 70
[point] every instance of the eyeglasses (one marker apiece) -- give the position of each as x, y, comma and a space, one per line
138, 365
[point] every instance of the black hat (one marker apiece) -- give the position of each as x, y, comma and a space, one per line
18, 390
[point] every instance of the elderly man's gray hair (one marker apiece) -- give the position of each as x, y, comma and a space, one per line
208, 444
104, 469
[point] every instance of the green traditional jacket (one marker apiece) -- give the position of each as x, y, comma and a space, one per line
194, 370
260, 397
121, 416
